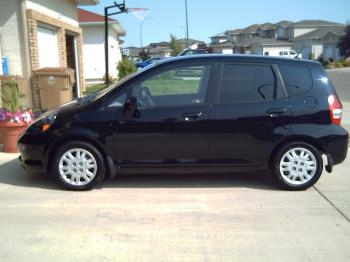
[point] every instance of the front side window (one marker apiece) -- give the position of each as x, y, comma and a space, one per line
179, 86
245, 82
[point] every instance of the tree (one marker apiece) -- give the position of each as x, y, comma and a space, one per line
125, 68
144, 55
174, 45
344, 43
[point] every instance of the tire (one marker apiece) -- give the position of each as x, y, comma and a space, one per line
78, 166
297, 166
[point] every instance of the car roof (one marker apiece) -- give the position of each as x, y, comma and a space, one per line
235, 58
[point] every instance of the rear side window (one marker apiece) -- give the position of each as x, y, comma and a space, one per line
246, 82
297, 79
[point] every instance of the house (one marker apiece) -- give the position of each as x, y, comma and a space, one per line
218, 38
306, 26
282, 30
92, 25
320, 43
160, 49
316, 39
226, 47
37, 34
192, 43
266, 45
132, 53
233, 35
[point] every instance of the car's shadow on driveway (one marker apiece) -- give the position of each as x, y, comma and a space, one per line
12, 173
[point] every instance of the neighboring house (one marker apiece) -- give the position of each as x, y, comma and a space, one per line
226, 47
41, 33
316, 38
306, 26
192, 43
132, 52
92, 25
282, 30
320, 43
161, 49
218, 38
266, 45
234, 35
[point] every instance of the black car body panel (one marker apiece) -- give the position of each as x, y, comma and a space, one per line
208, 133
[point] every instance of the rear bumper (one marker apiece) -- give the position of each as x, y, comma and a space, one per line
336, 145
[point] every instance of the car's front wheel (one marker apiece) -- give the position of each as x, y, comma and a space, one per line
78, 166
297, 166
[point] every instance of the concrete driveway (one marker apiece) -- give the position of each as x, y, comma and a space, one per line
237, 217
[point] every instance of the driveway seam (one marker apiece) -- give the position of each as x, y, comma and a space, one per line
331, 203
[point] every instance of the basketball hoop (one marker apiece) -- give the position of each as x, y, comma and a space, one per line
139, 13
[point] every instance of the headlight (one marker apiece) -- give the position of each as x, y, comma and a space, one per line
47, 122
44, 121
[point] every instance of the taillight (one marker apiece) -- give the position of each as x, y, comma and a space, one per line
335, 108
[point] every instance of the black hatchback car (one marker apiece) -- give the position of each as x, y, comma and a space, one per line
206, 113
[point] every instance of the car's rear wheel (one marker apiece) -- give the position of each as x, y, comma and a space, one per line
78, 166
297, 166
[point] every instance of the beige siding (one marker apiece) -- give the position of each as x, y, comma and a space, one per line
64, 10
11, 36
302, 31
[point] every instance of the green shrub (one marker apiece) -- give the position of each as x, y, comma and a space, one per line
345, 63
338, 65
10, 95
125, 68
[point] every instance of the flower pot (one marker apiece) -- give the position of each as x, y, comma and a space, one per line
10, 133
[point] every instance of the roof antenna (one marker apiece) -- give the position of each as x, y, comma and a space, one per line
299, 51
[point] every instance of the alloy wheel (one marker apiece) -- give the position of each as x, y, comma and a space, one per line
298, 166
77, 166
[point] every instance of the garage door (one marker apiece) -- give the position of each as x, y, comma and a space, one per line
328, 53
48, 47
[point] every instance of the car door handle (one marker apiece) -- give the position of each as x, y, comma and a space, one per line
274, 112
191, 116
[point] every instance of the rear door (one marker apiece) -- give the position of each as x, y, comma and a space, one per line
250, 116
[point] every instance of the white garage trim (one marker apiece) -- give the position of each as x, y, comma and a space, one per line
47, 47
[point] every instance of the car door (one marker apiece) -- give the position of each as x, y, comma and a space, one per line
171, 124
250, 116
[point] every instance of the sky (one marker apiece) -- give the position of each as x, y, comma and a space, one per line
209, 17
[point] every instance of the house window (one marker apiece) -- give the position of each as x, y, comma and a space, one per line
48, 47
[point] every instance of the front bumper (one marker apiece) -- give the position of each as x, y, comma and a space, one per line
34, 149
32, 159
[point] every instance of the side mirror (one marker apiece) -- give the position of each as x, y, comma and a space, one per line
131, 107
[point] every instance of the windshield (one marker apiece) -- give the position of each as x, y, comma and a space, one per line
114, 85
108, 89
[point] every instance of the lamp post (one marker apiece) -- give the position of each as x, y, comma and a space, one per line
141, 26
122, 9
187, 43
184, 29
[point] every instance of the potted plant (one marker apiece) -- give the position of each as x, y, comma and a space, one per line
13, 118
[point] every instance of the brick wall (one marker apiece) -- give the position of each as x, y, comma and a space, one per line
33, 18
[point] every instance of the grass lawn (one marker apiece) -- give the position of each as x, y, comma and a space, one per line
94, 88
171, 87
159, 87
